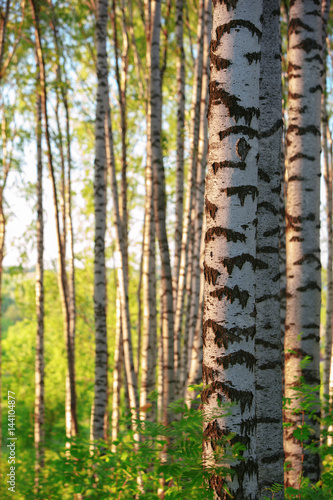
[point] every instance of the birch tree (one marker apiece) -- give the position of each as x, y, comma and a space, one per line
267, 340
39, 433
230, 250
302, 225
101, 356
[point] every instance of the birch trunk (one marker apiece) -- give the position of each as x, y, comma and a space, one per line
328, 187
268, 341
122, 276
194, 299
302, 225
101, 368
190, 195
71, 417
180, 141
230, 250
116, 374
155, 115
39, 433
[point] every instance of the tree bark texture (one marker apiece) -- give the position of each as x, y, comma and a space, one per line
267, 340
155, 113
71, 417
302, 224
230, 252
101, 368
39, 288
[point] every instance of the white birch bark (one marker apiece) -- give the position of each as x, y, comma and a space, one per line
190, 195
155, 111
267, 340
302, 224
180, 141
230, 251
101, 354
39, 433
71, 416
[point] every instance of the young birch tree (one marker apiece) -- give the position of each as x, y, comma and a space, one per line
302, 225
39, 287
101, 359
230, 251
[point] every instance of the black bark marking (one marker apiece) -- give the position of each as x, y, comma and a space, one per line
239, 129
307, 45
299, 156
268, 133
253, 56
317, 57
242, 148
208, 373
267, 344
270, 365
295, 178
211, 274
240, 357
210, 208
315, 89
263, 176
228, 164
292, 67
309, 257
242, 192
230, 262
230, 4
311, 129
296, 353
315, 13
219, 62
235, 23
269, 207
219, 96
295, 24
311, 285
225, 336
229, 234
271, 232
244, 398
310, 326
231, 294
295, 96
292, 222
268, 296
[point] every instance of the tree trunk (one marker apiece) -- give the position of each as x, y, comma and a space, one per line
39, 359
302, 226
101, 368
267, 340
185, 261
155, 116
3, 25
230, 251
180, 141
71, 419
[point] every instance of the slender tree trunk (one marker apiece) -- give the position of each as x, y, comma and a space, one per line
185, 265
267, 341
155, 116
328, 186
230, 252
117, 364
39, 359
180, 142
302, 226
71, 419
194, 298
101, 368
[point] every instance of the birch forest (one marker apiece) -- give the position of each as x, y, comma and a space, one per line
166, 259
